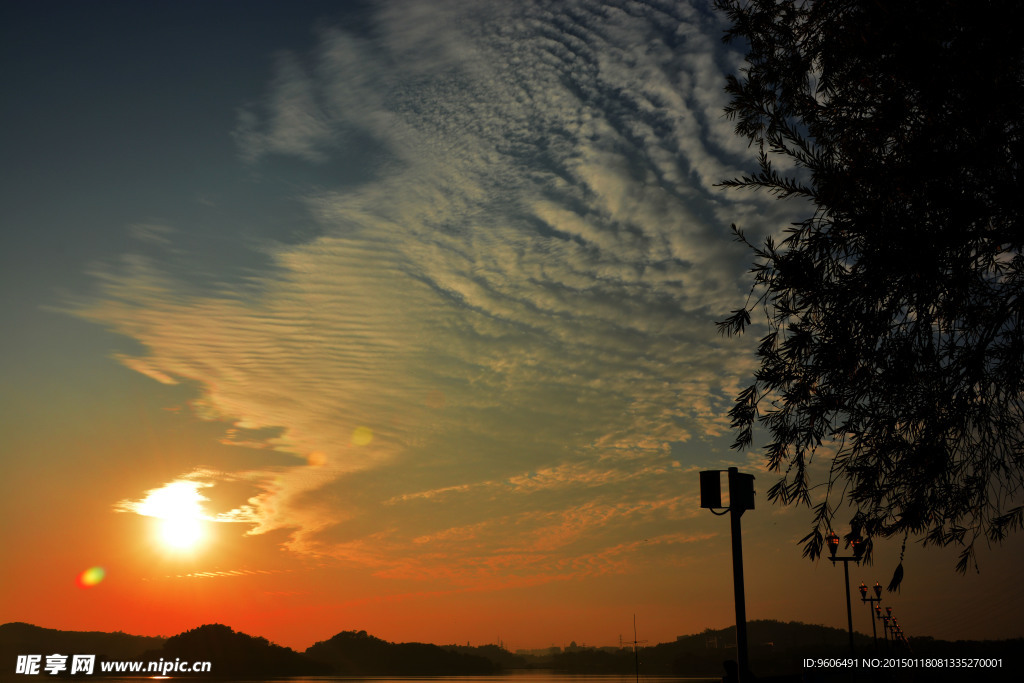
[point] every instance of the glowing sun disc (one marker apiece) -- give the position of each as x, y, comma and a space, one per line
181, 533
178, 507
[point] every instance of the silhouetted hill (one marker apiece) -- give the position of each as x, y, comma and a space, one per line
778, 649
774, 648
355, 653
18, 638
235, 654
499, 655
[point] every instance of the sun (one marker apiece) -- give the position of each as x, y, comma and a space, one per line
178, 507
182, 533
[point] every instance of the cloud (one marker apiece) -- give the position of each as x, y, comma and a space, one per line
518, 304
176, 499
297, 127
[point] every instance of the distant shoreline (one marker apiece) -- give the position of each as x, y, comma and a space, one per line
777, 650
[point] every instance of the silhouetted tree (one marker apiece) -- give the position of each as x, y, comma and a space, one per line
236, 654
893, 311
356, 653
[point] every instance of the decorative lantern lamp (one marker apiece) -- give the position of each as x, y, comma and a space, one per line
833, 543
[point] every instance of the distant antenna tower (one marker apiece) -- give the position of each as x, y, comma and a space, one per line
636, 652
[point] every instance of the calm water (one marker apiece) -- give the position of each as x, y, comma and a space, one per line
513, 677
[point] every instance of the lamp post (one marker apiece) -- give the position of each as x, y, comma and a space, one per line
892, 626
890, 623
741, 498
885, 625
871, 603
858, 550
896, 629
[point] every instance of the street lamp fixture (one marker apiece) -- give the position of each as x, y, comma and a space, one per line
857, 545
741, 498
891, 626
871, 603
897, 630
885, 625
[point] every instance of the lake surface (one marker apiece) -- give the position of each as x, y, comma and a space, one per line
512, 677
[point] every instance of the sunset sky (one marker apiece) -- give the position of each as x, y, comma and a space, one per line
395, 316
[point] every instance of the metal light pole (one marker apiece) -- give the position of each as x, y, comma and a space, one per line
741, 498
885, 625
896, 629
858, 550
871, 603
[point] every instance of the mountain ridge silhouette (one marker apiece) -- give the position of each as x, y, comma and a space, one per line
776, 649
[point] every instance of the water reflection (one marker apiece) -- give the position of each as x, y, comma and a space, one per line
512, 677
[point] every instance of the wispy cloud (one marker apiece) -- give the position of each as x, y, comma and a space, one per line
229, 574
513, 311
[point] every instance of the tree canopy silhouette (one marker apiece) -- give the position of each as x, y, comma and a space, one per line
355, 653
893, 311
238, 655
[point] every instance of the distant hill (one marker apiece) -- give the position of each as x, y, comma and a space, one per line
497, 654
776, 649
232, 654
18, 638
355, 653
235, 654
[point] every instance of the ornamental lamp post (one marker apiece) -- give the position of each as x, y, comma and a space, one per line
890, 622
741, 498
894, 628
885, 625
897, 631
858, 549
871, 603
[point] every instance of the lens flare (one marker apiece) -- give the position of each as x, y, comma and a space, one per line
90, 577
362, 436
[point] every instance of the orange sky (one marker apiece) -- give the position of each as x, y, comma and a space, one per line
675, 585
